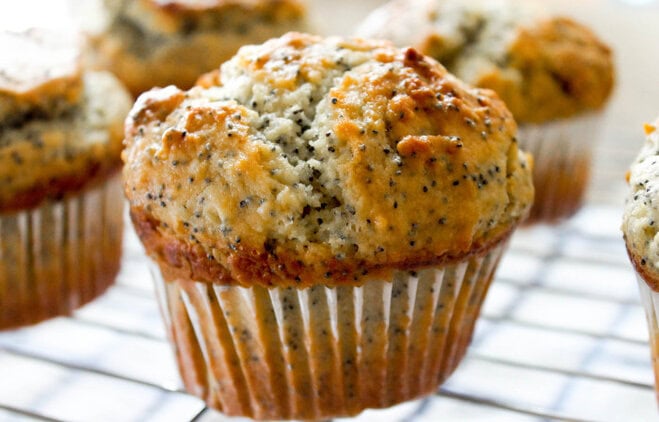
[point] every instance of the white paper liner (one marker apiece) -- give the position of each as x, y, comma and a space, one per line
650, 300
320, 352
562, 152
60, 255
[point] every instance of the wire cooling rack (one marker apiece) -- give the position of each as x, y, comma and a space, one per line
562, 335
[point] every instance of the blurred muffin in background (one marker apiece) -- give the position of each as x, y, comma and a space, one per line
149, 43
553, 73
639, 227
326, 215
60, 195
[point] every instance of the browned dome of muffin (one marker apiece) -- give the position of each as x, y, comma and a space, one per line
60, 127
149, 43
321, 160
544, 67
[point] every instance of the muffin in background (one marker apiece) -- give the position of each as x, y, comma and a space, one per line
60, 190
554, 74
326, 216
149, 43
639, 227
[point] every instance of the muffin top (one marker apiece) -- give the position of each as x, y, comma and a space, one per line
58, 127
157, 18
307, 160
149, 43
641, 215
39, 74
544, 67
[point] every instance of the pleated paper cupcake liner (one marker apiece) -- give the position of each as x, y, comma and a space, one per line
562, 152
650, 300
60, 255
320, 352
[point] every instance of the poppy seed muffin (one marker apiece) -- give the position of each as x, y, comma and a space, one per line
554, 74
149, 43
639, 228
60, 197
324, 198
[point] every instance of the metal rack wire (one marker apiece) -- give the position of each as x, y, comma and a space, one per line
562, 334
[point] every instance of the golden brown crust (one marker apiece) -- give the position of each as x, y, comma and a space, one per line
566, 70
310, 159
183, 260
152, 43
40, 74
186, 10
59, 186
45, 158
543, 67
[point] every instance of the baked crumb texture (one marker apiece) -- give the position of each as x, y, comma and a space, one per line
641, 214
40, 75
149, 43
60, 128
308, 160
544, 67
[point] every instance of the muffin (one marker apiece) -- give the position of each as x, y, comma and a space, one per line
60, 188
640, 233
554, 74
326, 216
149, 43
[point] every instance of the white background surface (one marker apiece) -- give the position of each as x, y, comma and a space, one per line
562, 332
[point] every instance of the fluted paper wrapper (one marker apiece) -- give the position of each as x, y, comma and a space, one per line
320, 352
60, 255
562, 151
650, 300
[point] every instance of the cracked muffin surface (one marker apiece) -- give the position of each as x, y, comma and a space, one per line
149, 43
322, 160
641, 214
39, 74
60, 127
544, 67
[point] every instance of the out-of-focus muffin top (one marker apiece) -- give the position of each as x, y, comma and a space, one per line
322, 160
641, 216
544, 67
39, 74
59, 128
149, 43
185, 16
